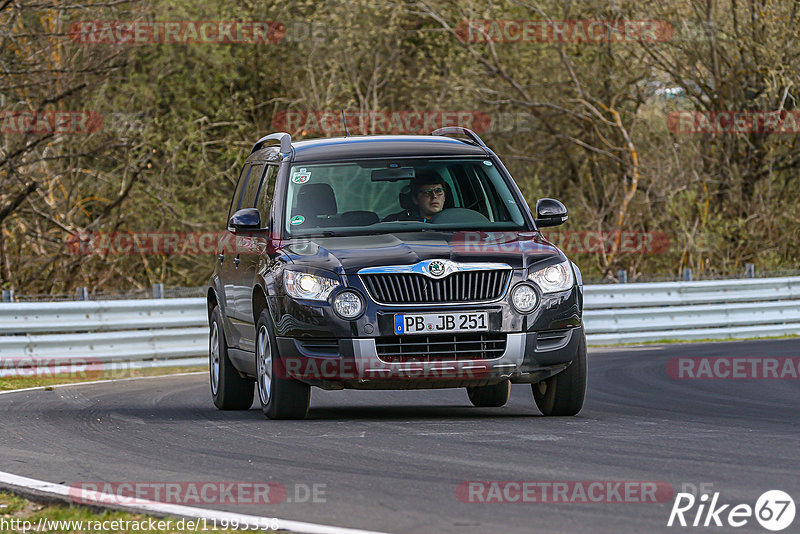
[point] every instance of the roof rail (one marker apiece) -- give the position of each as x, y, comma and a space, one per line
284, 138
451, 130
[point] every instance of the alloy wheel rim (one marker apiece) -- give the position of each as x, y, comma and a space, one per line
264, 365
213, 359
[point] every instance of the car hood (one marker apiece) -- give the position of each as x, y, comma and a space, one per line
349, 254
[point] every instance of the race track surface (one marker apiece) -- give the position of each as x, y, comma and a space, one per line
391, 461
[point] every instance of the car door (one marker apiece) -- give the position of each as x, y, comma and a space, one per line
226, 252
252, 255
242, 273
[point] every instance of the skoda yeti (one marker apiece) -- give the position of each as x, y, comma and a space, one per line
390, 262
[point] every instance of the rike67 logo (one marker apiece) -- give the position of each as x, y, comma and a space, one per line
774, 510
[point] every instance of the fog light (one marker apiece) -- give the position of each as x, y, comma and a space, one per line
524, 298
348, 304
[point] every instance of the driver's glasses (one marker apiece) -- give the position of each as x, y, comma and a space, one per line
435, 192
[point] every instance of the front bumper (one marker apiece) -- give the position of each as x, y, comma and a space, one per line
355, 363
320, 348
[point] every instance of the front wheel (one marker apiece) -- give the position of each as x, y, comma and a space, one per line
281, 397
563, 393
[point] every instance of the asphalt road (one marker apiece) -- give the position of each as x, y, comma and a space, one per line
392, 461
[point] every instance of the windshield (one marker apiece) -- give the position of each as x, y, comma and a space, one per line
399, 195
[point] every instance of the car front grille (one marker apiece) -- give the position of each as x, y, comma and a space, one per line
413, 288
440, 347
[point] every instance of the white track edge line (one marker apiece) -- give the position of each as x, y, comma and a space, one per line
109, 381
102, 500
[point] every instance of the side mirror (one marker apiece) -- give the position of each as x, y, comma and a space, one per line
245, 219
550, 212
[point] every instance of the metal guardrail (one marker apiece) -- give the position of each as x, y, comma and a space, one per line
105, 331
686, 311
172, 329
101, 315
129, 345
688, 293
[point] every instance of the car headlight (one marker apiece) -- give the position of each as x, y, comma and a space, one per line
524, 298
554, 278
308, 286
348, 304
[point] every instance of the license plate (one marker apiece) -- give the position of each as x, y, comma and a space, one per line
433, 323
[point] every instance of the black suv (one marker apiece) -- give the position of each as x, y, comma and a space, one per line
390, 262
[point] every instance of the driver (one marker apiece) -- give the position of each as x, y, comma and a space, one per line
428, 195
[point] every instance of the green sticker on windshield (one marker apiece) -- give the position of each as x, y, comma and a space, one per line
297, 219
487, 163
301, 176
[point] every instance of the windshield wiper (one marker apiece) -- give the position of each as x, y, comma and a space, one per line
321, 233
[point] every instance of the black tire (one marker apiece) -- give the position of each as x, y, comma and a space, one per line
490, 396
281, 397
228, 389
563, 394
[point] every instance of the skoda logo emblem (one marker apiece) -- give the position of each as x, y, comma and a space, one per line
436, 268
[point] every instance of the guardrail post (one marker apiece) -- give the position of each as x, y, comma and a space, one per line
749, 270
82, 294
622, 276
8, 295
687, 275
158, 291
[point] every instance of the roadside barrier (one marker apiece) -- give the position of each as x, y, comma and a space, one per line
177, 328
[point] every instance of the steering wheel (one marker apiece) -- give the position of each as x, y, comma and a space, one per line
459, 215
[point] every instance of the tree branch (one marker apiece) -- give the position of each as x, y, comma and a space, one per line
9, 208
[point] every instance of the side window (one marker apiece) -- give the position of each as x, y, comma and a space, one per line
237, 193
265, 192
248, 199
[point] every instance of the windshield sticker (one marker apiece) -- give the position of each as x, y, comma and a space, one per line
301, 176
487, 163
297, 219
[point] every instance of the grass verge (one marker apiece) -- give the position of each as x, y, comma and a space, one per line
18, 513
